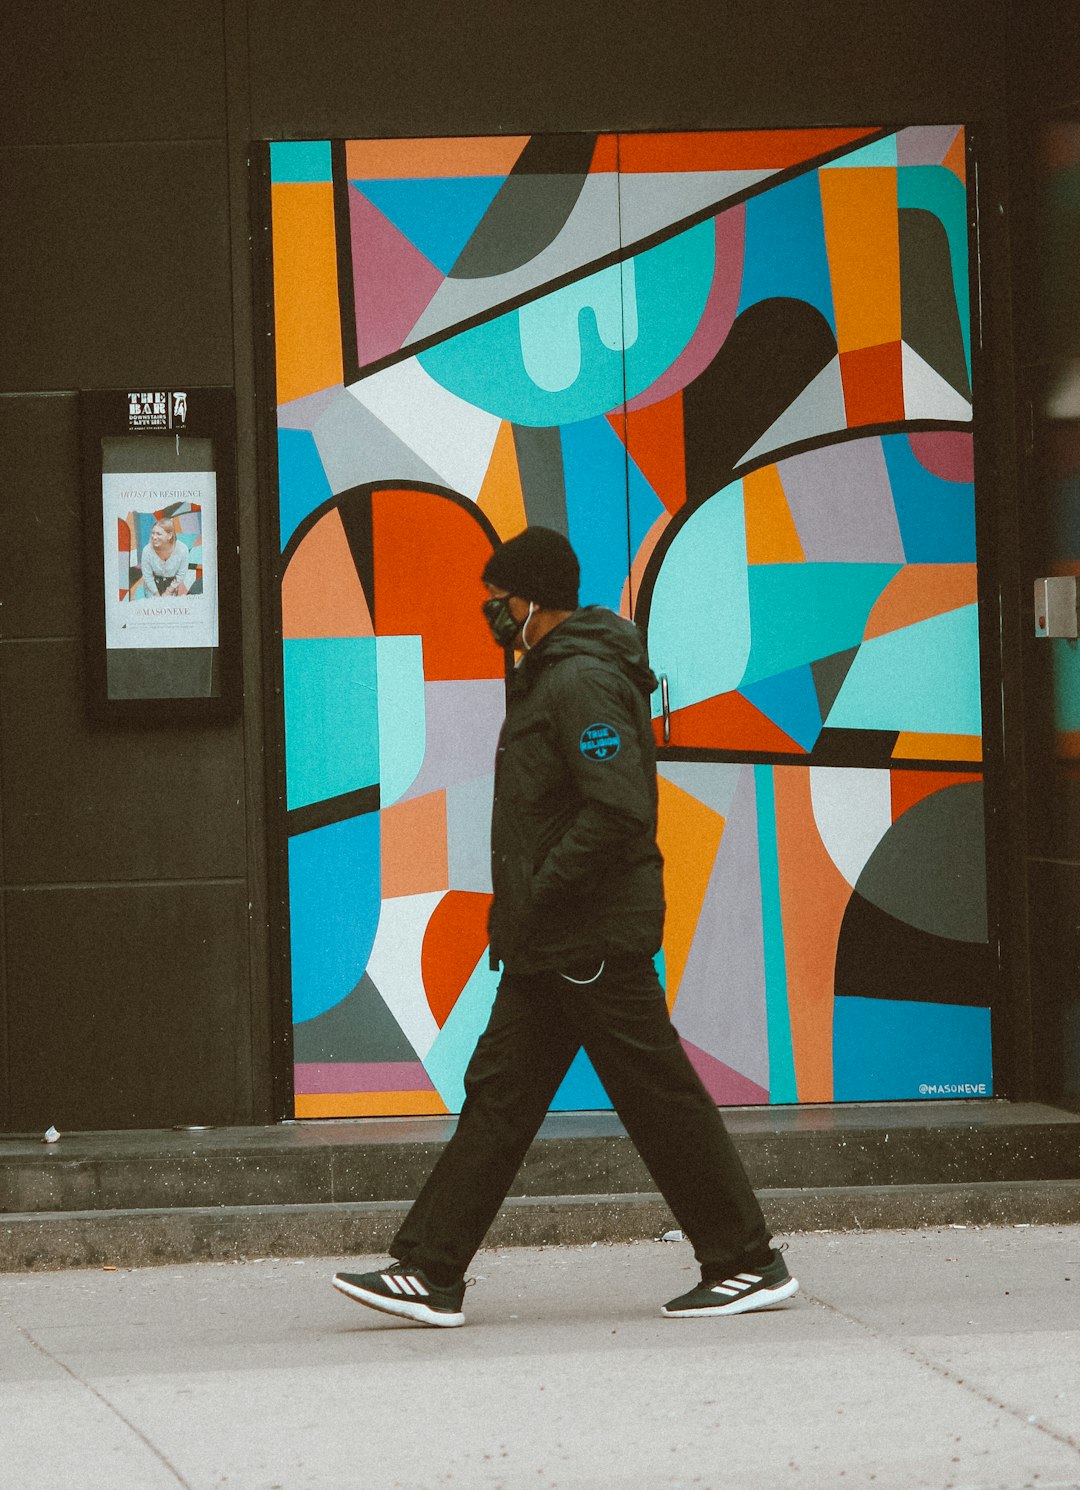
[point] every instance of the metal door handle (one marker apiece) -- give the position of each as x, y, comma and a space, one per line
665, 704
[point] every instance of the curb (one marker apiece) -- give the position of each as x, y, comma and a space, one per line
145, 1238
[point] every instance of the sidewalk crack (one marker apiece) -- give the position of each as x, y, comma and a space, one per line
132, 1427
947, 1374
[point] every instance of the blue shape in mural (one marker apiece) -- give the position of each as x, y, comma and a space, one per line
402, 714
805, 611
936, 517
789, 700
302, 483
595, 472
782, 1084
331, 717
453, 1046
785, 247
437, 215
591, 344
580, 1090
333, 911
300, 160
895, 1049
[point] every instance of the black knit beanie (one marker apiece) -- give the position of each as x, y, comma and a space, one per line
539, 565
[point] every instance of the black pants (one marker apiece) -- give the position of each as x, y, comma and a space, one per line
537, 1024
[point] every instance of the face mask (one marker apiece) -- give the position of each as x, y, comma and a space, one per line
501, 623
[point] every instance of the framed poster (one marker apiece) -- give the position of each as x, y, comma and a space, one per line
161, 552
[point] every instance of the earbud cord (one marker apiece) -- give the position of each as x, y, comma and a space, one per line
525, 625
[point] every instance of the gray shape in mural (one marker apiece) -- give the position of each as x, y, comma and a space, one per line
929, 870
711, 782
543, 483
841, 501
591, 233
356, 448
529, 212
360, 1028
829, 674
651, 201
463, 722
305, 413
721, 1005
818, 410
924, 144
468, 830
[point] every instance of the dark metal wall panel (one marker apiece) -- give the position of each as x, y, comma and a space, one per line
40, 593
90, 803
119, 70
114, 267
414, 68
127, 1005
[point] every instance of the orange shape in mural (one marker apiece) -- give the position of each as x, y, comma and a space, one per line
920, 591
909, 787
862, 235
429, 554
307, 318
415, 856
813, 898
771, 535
407, 159
501, 499
731, 150
654, 437
689, 835
321, 593
912, 747
727, 722
454, 942
873, 384
956, 156
368, 1104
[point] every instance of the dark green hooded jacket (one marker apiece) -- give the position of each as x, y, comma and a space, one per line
575, 867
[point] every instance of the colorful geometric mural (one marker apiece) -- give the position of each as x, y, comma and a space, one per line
734, 368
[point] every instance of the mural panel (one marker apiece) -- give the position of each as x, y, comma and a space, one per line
734, 368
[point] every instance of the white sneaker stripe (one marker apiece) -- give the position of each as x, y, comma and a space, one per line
750, 1277
394, 1284
418, 1286
731, 1292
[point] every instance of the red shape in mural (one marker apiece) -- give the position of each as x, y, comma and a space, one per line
454, 942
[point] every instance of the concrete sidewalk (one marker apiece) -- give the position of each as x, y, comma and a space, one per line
910, 1361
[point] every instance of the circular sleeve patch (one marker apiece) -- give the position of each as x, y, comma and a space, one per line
600, 742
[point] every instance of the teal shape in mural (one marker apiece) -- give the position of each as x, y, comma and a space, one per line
936, 517
699, 616
331, 717
923, 679
580, 1090
938, 190
300, 160
596, 473
402, 714
1066, 657
445, 1062
582, 349
805, 611
334, 885
302, 483
782, 1084
878, 153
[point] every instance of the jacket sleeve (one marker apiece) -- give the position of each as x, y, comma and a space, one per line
597, 723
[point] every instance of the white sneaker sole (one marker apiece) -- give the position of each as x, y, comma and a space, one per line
761, 1298
412, 1309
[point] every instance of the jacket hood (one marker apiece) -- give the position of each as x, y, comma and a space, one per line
595, 631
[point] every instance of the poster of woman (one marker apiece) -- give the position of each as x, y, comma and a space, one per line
160, 559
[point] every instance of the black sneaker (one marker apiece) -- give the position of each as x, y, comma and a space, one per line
754, 1288
405, 1291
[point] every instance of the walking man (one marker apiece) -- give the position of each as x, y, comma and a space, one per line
576, 921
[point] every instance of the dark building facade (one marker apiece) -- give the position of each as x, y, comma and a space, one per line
152, 879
